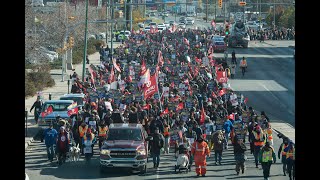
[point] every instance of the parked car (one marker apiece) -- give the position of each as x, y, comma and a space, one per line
152, 14
146, 29
162, 26
141, 25
182, 25
126, 146
171, 23
219, 46
182, 20
167, 24
165, 14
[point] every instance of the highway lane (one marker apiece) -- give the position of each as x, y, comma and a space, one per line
37, 167
269, 83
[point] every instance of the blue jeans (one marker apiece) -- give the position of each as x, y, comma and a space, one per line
217, 154
50, 152
156, 159
227, 135
256, 154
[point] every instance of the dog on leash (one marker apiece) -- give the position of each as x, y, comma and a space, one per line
74, 153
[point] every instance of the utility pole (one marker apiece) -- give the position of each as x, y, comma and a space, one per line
215, 10
112, 17
125, 14
85, 43
207, 11
107, 17
131, 16
274, 14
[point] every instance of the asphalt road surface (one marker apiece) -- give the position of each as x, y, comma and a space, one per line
38, 168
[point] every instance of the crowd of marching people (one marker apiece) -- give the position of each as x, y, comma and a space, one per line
272, 34
170, 82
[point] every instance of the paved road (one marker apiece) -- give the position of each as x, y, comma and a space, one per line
269, 83
37, 167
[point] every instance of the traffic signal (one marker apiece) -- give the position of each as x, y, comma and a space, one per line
227, 30
220, 3
65, 46
71, 41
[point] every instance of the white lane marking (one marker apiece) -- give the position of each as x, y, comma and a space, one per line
281, 104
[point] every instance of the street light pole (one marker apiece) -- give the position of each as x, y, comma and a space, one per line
131, 16
107, 17
112, 17
85, 43
207, 11
274, 14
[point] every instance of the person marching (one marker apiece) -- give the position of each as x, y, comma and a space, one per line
258, 139
200, 150
50, 139
239, 149
102, 133
156, 145
283, 154
62, 145
266, 157
243, 66
233, 57
218, 139
82, 130
268, 132
290, 159
37, 105
166, 135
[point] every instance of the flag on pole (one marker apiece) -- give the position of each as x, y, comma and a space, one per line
180, 106
73, 111
111, 78
48, 111
145, 77
116, 65
164, 112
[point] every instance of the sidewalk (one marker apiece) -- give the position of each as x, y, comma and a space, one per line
57, 91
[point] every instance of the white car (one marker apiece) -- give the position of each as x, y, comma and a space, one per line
153, 24
190, 21
126, 33
102, 35
51, 55
146, 29
162, 26
182, 25
167, 24
165, 14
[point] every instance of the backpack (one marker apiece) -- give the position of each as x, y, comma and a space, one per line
157, 140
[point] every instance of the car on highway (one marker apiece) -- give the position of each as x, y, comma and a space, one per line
152, 14
191, 14
182, 25
162, 26
167, 24
219, 45
189, 21
160, 14
59, 108
182, 20
153, 24
147, 21
172, 23
126, 146
146, 29
77, 97
253, 25
165, 14
141, 25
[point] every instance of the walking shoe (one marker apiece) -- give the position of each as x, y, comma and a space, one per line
203, 175
242, 171
198, 174
237, 172
284, 174
257, 166
219, 163
154, 165
215, 163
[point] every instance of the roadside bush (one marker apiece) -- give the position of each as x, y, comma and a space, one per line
92, 47
56, 64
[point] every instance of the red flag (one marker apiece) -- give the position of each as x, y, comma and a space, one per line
202, 116
180, 106
92, 74
143, 68
198, 60
172, 84
73, 111
245, 100
222, 92
116, 65
151, 87
180, 134
221, 77
48, 111
111, 78
231, 116
213, 23
146, 107
164, 112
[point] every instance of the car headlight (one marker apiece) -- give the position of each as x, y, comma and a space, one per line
105, 152
141, 152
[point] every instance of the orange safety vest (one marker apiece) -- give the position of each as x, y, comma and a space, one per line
82, 130
200, 150
282, 150
166, 131
291, 154
269, 134
85, 137
244, 63
103, 131
258, 137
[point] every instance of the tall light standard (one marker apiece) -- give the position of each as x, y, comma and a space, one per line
85, 43
274, 14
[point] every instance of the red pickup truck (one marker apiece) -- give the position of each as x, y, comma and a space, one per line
126, 146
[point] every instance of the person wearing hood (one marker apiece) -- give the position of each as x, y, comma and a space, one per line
283, 154
218, 139
239, 149
200, 151
266, 157
258, 141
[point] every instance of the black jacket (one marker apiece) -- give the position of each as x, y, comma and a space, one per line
37, 104
157, 143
